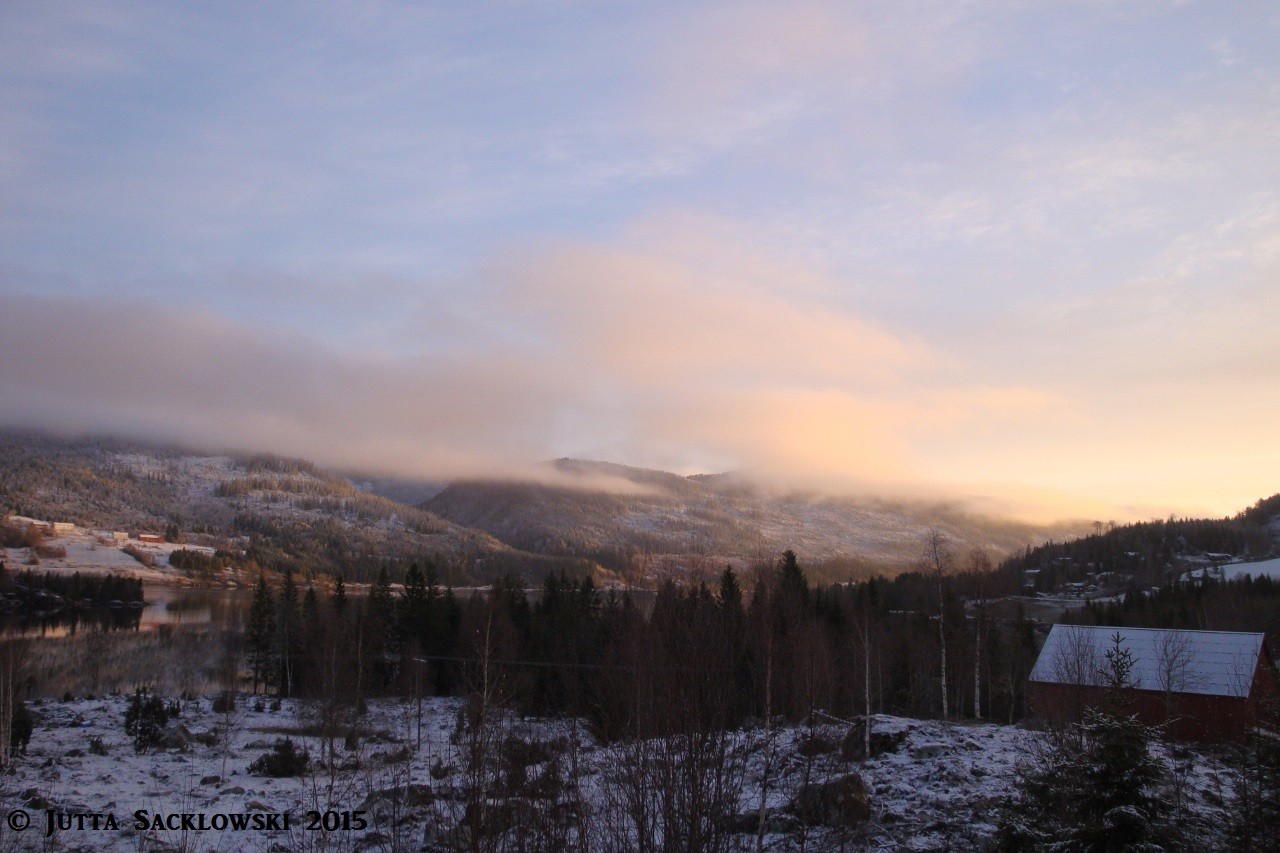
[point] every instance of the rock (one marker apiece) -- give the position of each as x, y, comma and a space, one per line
175, 738
780, 824
928, 750
437, 836
854, 744
210, 780
257, 806
234, 791
75, 753
841, 801
407, 797
851, 749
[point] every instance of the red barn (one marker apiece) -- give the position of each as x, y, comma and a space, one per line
1199, 685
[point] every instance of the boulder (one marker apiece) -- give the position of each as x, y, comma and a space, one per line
852, 747
841, 801
408, 797
928, 750
177, 737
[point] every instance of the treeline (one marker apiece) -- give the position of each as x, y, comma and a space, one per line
200, 563
711, 654
1148, 549
1246, 604
75, 589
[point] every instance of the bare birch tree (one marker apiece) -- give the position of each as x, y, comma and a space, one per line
1173, 669
938, 560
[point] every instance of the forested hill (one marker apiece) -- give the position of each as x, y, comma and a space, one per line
1153, 551
625, 517
287, 513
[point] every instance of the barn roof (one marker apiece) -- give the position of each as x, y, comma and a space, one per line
1212, 663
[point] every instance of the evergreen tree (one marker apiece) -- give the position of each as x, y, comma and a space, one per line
414, 611
310, 607
1256, 824
339, 600
1097, 788
261, 632
379, 630
730, 592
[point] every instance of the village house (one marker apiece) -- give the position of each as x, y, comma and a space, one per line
1198, 685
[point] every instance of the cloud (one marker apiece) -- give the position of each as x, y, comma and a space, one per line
975, 244
726, 54
618, 353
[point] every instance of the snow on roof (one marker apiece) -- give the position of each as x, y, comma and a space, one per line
1212, 663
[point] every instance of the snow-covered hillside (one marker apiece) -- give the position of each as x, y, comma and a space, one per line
934, 788
1263, 568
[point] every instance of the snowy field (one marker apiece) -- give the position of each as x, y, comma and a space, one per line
1236, 571
1264, 568
95, 552
935, 789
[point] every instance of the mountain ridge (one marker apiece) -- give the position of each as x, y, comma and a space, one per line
605, 518
717, 516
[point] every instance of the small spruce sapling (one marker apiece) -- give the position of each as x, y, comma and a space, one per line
145, 719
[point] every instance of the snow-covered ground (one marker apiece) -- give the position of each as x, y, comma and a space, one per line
1264, 568
1236, 571
94, 552
934, 790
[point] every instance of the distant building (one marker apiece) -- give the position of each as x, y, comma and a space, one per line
63, 527
1199, 685
120, 536
153, 538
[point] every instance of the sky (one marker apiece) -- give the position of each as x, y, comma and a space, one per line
1025, 254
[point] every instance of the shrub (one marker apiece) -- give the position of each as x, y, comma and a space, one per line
13, 535
143, 557
1255, 824
21, 728
1097, 786
96, 746
284, 760
145, 719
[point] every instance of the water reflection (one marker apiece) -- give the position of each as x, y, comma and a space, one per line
167, 608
